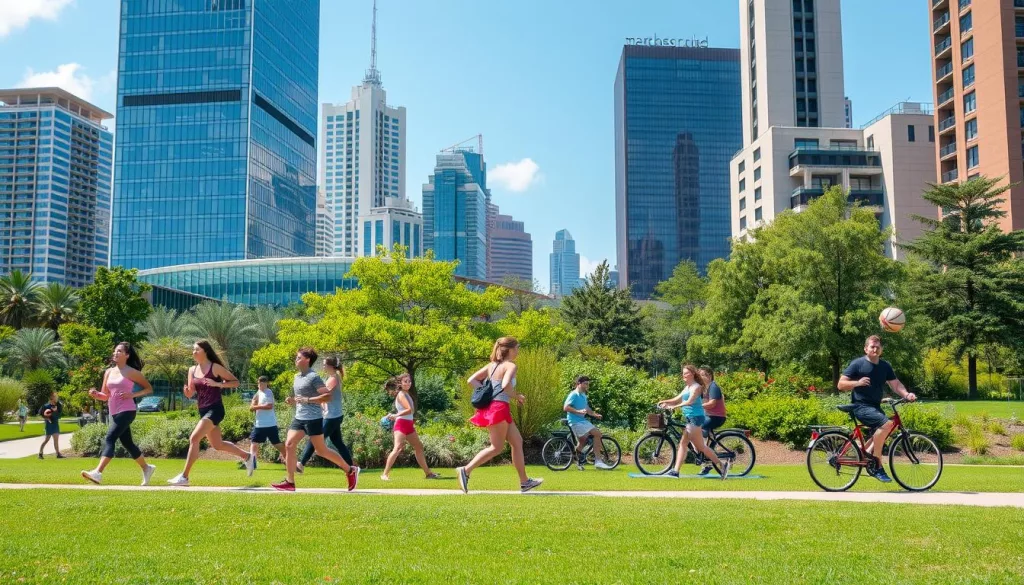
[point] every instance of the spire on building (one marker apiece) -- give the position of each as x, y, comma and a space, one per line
372, 75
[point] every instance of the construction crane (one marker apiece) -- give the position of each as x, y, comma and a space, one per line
461, 145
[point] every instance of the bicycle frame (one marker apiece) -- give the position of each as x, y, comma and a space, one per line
858, 436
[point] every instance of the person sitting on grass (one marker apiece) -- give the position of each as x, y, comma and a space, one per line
577, 407
265, 427
693, 409
51, 412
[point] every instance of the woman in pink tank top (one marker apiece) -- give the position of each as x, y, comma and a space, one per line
118, 391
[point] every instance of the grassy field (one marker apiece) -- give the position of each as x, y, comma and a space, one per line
181, 537
11, 432
226, 473
994, 408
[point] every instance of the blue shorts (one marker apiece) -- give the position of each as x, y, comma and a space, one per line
51, 428
697, 420
261, 434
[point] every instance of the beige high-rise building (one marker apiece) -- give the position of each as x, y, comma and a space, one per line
978, 56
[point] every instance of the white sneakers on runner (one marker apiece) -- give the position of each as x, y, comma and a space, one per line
94, 476
600, 464
250, 465
147, 474
178, 480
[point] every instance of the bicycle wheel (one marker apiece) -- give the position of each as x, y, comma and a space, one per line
915, 461
834, 462
654, 454
558, 454
611, 450
739, 448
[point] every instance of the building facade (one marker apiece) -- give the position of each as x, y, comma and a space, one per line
677, 124
55, 164
509, 248
324, 225
216, 132
565, 265
849, 113
978, 60
455, 203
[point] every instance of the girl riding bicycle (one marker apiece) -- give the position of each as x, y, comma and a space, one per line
693, 409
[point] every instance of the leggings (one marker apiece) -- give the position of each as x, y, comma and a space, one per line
332, 433
121, 428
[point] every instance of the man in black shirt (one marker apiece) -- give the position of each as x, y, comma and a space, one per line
866, 377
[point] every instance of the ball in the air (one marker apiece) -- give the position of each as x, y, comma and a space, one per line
892, 319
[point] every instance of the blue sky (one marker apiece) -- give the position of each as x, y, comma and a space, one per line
533, 76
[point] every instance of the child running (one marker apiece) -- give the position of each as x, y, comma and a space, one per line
309, 393
118, 391
333, 414
577, 407
265, 427
51, 413
400, 389
497, 417
208, 378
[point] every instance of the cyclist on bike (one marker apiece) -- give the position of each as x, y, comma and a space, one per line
714, 409
866, 377
693, 409
577, 407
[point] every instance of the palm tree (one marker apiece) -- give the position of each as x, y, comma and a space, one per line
17, 297
32, 349
231, 328
166, 358
56, 303
266, 319
165, 323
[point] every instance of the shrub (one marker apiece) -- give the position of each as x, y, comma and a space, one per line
963, 423
538, 381
782, 418
88, 440
237, 423
929, 421
368, 442
997, 428
976, 442
448, 446
39, 384
1017, 442
432, 393
742, 385
166, 437
984, 416
11, 391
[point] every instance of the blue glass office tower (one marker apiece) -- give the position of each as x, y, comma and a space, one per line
216, 124
677, 125
565, 264
455, 202
55, 163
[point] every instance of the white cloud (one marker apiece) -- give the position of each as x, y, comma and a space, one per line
588, 266
69, 77
15, 14
514, 176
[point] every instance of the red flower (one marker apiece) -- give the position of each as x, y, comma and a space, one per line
771, 380
812, 388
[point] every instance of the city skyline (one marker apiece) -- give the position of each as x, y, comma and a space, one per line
534, 152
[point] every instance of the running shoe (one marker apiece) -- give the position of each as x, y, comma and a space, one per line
705, 470
385, 478
250, 465
283, 486
94, 476
40, 455
672, 473
463, 479
879, 474
600, 464
353, 477
433, 476
299, 468
530, 484
725, 468
178, 480
147, 473
59, 456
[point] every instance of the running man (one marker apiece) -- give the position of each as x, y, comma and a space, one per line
866, 377
577, 407
334, 415
265, 427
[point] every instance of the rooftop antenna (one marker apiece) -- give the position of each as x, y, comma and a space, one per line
372, 75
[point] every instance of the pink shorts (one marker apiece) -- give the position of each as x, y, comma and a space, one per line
496, 412
404, 426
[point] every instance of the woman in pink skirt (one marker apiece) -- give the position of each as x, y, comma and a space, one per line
400, 388
497, 418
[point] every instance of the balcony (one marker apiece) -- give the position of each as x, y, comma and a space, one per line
947, 123
949, 176
947, 150
945, 96
944, 71
964, 4
804, 195
938, 3
834, 159
940, 22
943, 45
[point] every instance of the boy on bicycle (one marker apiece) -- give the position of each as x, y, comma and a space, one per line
577, 407
866, 377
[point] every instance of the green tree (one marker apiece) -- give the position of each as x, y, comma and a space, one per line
33, 349
231, 328
163, 322
166, 358
670, 328
974, 292
88, 350
115, 302
607, 316
18, 295
523, 294
536, 328
56, 303
266, 319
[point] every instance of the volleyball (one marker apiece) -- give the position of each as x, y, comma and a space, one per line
892, 319
385, 423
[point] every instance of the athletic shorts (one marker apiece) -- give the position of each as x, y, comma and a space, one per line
312, 428
262, 434
214, 412
581, 429
870, 416
404, 426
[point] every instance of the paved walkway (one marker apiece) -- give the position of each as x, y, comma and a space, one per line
19, 448
927, 498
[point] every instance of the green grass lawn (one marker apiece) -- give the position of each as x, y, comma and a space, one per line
994, 408
182, 537
11, 432
500, 477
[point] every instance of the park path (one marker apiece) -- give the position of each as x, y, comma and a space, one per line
18, 448
1014, 500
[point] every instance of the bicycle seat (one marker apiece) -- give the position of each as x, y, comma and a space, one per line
847, 408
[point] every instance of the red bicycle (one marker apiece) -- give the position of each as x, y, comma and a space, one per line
836, 457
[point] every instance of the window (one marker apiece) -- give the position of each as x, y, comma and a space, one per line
743, 223
972, 157
757, 194
757, 174
757, 214
743, 185
799, 64
971, 129
808, 5
743, 203
967, 49
743, 166
810, 64
812, 105
806, 143
798, 25
798, 45
1018, 25
969, 75
910, 133
966, 23
931, 133
800, 85
970, 103
809, 44
757, 154
812, 85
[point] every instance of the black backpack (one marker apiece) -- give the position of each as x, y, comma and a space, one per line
484, 395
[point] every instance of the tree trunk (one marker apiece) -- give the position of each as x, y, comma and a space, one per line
835, 372
972, 377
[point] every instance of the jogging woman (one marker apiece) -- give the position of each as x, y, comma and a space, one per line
118, 391
497, 418
333, 414
693, 410
400, 389
207, 379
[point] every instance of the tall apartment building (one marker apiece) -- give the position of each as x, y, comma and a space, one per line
55, 164
324, 226
216, 131
677, 124
455, 202
849, 112
509, 248
362, 166
565, 264
978, 70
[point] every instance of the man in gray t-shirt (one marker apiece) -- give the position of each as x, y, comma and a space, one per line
309, 393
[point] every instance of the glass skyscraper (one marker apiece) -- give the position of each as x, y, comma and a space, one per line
565, 264
55, 162
216, 124
455, 203
678, 121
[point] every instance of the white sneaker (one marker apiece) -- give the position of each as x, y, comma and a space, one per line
178, 480
600, 464
94, 476
725, 468
250, 465
299, 468
147, 473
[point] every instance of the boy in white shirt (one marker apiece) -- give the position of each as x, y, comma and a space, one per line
265, 428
